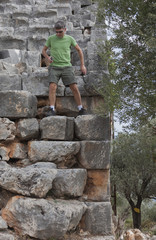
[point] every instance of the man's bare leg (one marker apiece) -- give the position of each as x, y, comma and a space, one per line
52, 94
76, 93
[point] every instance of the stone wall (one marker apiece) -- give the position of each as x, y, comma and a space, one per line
54, 171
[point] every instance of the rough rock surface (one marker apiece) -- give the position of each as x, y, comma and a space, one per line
27, 181
43, 219
7, 130
28, 129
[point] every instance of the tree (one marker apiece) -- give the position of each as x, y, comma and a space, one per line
130, 52
134, 168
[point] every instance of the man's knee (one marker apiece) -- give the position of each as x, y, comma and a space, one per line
52, 87
74, 87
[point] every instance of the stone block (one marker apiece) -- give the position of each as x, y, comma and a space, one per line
6, 236
53, 218
58, 152
28, 129
94, 154
57, 128
12, 42
98, 186
17, 151
69, 182
7, 129
12, 82
97, 219
17, 104
36, 44
67, 106
3, 224
37, 83
92, 127
28, 181
4, 153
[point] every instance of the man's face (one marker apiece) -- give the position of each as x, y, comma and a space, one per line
60, 32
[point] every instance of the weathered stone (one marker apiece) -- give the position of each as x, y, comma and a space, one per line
28, 129
97, 219
98, 186
52, 151
3, 224
57, 128
100, 238
7, 129
26, 181
6, 236
43, 219
81, 86
18, 151
43, 165
67, 106
69, 182
4, 197
17, 104
94, 154
92, 127
4, 153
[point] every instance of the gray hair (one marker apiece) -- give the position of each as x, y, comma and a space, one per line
59, 25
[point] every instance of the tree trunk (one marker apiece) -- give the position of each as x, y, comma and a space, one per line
136, 214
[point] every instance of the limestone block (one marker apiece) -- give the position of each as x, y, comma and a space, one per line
3, 224
4, 153
67, 106
57, 128
13, 42
81, 85
6, 32
12, 82
46, 22
36, 44
64, 10
28, 129
43, 165
86, 2
6, 236
26, 181
17, 104
98, 34
77, 34
69, 182
97, 219
100, 238
18, 151
18, 9
92, 127
7, 129
94, 154
52, 218
52, 151
98, 186
94, 82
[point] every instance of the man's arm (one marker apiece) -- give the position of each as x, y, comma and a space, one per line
83, 68
44, 52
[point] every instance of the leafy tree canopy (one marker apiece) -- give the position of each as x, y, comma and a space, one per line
130, 52
134, 167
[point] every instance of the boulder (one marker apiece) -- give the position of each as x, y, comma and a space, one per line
43, 219
17, 104
57, 128
28, 181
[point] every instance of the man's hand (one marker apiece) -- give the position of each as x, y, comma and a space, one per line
83, 69
50, 59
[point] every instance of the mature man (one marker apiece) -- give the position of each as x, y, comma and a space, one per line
60, 65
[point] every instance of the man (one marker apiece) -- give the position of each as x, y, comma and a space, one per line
60, 65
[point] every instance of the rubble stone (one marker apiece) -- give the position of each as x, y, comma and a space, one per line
7, 129
28, 129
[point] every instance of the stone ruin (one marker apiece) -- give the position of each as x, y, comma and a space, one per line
54, 171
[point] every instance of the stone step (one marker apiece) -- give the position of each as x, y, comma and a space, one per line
17, 104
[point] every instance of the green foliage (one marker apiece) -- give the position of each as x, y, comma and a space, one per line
130, 54
133, 167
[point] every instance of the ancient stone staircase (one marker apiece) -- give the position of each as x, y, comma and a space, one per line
54, 171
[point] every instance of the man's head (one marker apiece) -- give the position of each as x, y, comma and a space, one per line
60, 28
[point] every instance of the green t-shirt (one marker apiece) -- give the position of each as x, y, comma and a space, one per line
60, 49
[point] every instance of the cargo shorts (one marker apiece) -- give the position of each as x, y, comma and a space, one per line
65, 73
